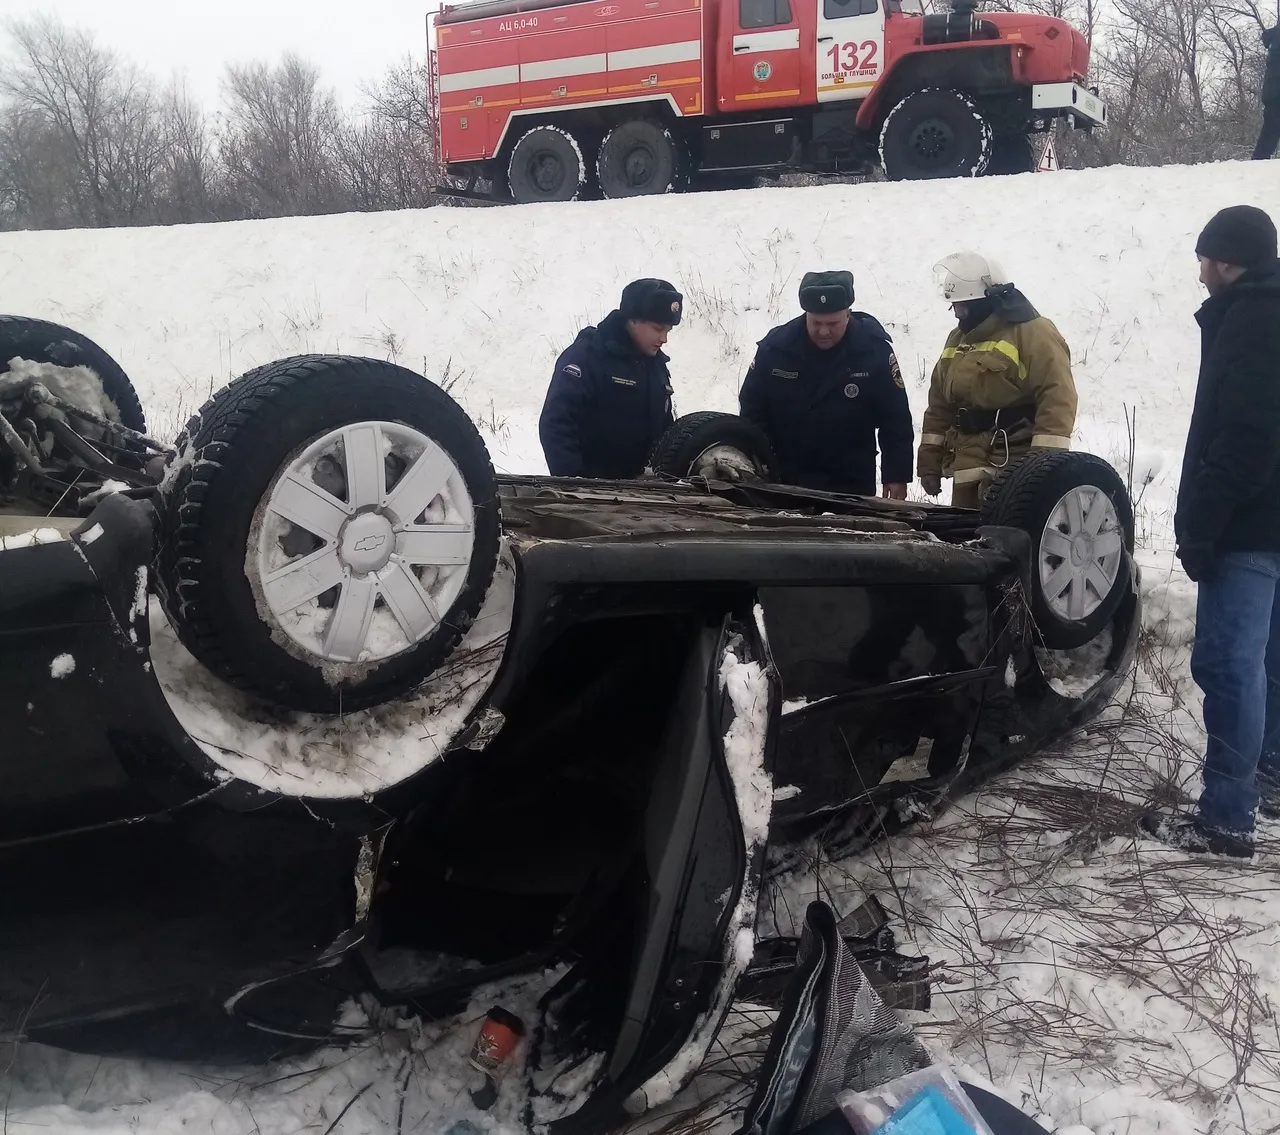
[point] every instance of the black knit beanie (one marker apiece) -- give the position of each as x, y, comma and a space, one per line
652, 301
1240, 235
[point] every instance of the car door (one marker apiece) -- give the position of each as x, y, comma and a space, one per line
766, 55
704, 855
850, 48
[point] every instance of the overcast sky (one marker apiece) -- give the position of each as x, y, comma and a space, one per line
350, 40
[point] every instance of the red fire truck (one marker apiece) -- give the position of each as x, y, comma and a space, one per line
551, 100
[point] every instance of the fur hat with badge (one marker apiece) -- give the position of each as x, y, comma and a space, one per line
652, 301
825, 293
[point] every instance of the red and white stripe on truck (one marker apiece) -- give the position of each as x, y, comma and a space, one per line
494, 71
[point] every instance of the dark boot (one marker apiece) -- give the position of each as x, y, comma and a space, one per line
1187, 833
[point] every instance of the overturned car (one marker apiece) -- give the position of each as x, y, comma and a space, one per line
312, 706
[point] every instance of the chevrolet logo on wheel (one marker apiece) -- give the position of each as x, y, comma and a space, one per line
370, 543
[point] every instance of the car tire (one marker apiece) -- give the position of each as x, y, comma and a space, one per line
1011, 153
693, 443
934, 133
279, 468
546, 165
1064, 501
38, 341
639, 158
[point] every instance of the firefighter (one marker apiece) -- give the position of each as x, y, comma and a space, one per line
822, 386
610, 395
1002, 386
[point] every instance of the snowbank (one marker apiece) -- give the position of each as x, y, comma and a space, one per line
488, 297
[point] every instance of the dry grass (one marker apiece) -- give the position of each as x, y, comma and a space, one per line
707, 305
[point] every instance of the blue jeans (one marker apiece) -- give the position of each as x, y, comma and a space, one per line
1236, 662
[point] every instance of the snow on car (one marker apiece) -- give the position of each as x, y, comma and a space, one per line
356, 721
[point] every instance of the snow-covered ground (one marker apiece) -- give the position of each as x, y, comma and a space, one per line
1104, 981
486, 298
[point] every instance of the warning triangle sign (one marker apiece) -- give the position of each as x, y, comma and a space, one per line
1048, 158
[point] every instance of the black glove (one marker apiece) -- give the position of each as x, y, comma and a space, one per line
1197, 560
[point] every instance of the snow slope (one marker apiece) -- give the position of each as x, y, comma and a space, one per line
490, 296
1035, 996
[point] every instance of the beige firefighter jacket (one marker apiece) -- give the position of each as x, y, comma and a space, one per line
996, 366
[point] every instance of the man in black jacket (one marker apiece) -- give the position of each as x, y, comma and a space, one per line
610, 395
1269, 136
1227, 527
822, 386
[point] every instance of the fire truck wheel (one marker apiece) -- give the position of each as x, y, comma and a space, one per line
639, 157
546, 165
1011, 153
934, 133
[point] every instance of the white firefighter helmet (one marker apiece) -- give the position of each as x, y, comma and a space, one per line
964, 276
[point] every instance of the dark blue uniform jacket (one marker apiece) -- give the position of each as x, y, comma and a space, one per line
606, 407
821, 410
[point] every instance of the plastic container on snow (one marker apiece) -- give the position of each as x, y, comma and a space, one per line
928, 1102
499, 1035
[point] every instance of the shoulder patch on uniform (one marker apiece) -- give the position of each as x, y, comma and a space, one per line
779, 373
573, 369
895, 371
624, 381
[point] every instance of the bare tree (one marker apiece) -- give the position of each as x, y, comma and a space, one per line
38, 175
87, 140
1181, 80
189, 178
279, 144
92, 117
388, 154
402, 99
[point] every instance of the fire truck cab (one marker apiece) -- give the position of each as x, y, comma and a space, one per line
552, 100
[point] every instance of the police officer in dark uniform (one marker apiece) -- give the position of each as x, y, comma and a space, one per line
821, 388
610, 396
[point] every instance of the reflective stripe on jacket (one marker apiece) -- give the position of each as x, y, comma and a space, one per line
1022, 369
